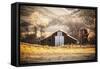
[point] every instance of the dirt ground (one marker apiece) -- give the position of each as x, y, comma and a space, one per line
33, 53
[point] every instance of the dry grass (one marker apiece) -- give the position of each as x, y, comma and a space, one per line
30, 53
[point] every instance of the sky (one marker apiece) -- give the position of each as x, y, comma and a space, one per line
51, 18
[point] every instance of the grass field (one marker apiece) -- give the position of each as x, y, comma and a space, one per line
33, 53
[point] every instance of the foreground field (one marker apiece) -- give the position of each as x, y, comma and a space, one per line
33, 53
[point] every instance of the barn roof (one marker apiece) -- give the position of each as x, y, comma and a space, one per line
63, 32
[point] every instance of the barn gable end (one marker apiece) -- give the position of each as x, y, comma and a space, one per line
51, 39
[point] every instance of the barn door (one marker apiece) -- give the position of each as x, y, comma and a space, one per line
59, 39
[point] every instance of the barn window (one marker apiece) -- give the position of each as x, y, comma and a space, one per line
59, 33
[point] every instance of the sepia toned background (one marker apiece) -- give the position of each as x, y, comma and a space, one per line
43, 21
41, 27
